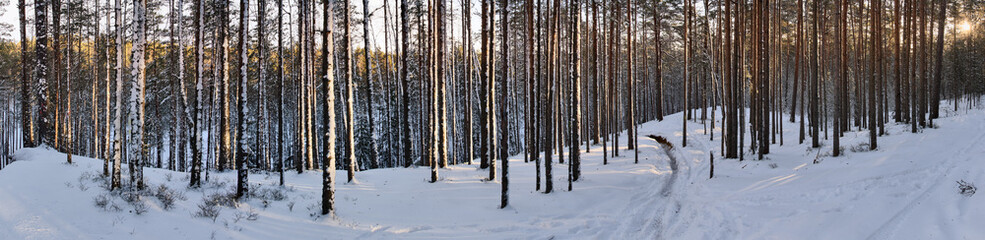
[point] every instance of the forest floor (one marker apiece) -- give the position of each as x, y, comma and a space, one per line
905, 189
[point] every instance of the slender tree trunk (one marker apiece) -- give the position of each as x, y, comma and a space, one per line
367, 146
575, 100
404, 90
328, 109
117, 121
280, 92
491, 88
467, 69
841, 15
196, 168
935, 97
898, 116
181, 86
687, 67
347, 75
137, 88
107, 132
503, 120
56, 67
68, 93
225, 140
41, 72
27, 121
441, 85
242, 183
484, 79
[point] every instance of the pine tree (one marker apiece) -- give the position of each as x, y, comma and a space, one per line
468, 74
222, 70
187, 117
434, 15
242, 183
574, 108
137, 87
366, 145
503, 89
196, 168
107, 131
68, 101
302, 75
41, 72
280, 91
56, 69
347, 75
841, 15
404, 89
935, 93
484, 78
491, 88
815, 71
328, 108
657, 25
441, 87
875, 72
117, 121
687, 68
27, 123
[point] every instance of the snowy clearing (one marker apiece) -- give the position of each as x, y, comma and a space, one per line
906, 189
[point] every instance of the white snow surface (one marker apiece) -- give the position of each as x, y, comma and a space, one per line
906, 189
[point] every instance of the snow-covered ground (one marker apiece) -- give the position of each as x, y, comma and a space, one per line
904, 190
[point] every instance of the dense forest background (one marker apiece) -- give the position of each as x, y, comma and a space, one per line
214, 85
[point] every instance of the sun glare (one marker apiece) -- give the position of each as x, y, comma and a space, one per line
964, 27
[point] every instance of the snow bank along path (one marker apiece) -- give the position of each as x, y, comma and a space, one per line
904, 190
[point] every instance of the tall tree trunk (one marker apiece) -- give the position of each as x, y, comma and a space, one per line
815, 71
441, 87
328, 109
117, 121
347, 75
56, 67
935, 97
434, 18
922, 65
181, 85
138, 147
222, 68
404, 90
107, 131
468, 74
687, 68
503, 89
41, 72
575, 99
197, 150
367, 146
263, 128
280, 92
242, 183
842, 74
491, 90
484, 78
27, 121
68, 93
898, 116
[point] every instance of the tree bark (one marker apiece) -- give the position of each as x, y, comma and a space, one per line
328, 109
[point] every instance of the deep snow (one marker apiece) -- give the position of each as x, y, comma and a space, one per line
906, 189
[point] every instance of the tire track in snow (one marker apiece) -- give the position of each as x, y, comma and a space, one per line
645, 208
887, 230
689, 216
